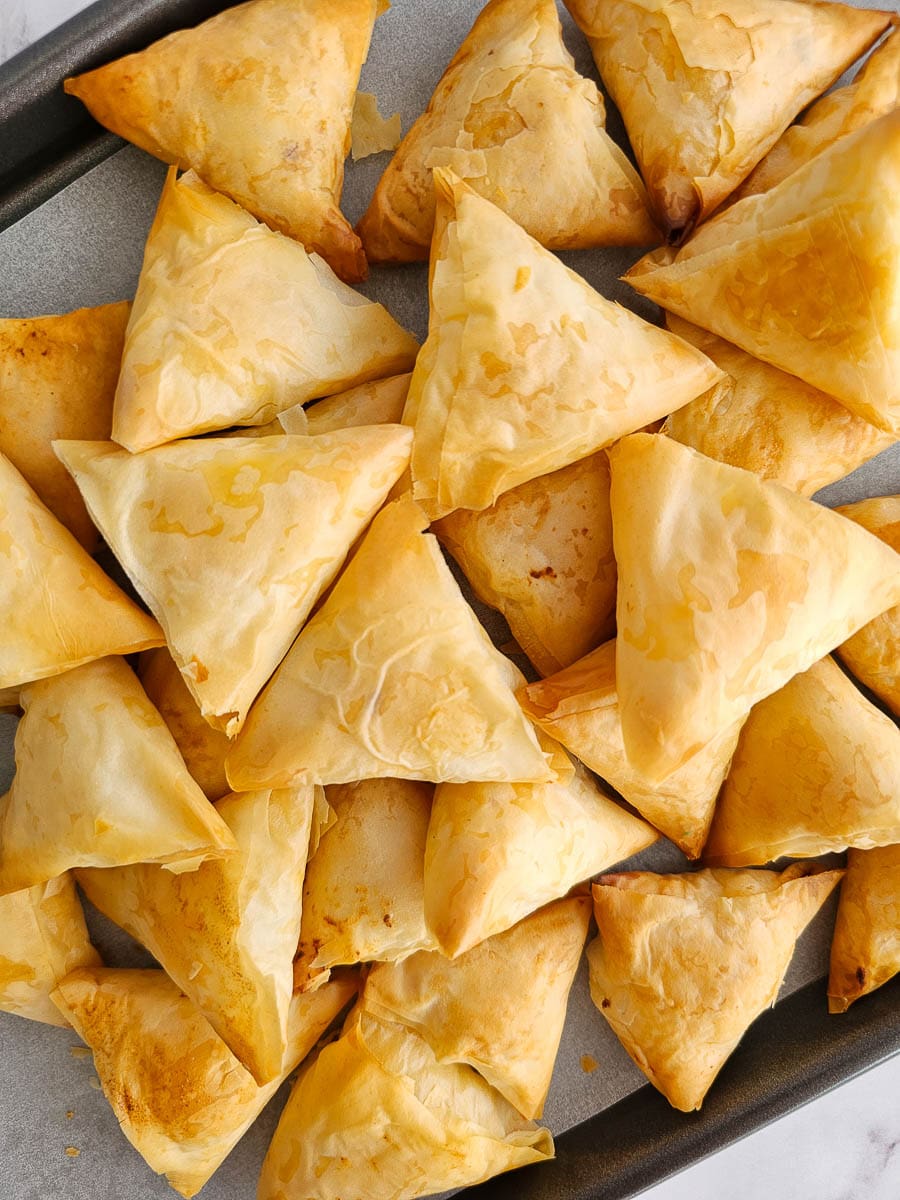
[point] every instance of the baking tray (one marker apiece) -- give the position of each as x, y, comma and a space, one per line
75, 205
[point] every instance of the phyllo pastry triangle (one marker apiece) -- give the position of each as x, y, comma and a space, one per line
180, 1096
380, 402
57, 380
526, 368
99, 782
873, 654
232, 323
817, 768
498, 851
771, 422
376, 1115
706, 87
499, 1007
58, 608
728, 586
685, 963
227, 932
392, 678
543, 555
865, 951
258, 100
874, 92
42, 938
804, 276
363, 893
580, 708
266, 522
512, 117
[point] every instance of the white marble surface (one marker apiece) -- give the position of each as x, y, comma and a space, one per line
845, 1145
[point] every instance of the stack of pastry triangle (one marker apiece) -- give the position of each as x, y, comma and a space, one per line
526, 368
57, 380
512, 118
227, 932
509, 1034
99, 782
728, 586
498, 851
817, 768
804, 276
233, 323
57, 608
685, 963
258, 100
181, 1097
865, 951
579, 706
706, 88
232, 541
392, 678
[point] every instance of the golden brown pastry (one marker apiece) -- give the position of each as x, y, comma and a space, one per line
226, 933
499, 1007
57, 608
580, 708
873, 654
57, 380
804, 275
362, 897
232, 323
392, 678
728, 586
498, 851
865, 951
874, 91
380, 402
180, 1096
685, 963
265, 522
771, 422
543, 555
526, 368
513, 119
817, 768
376, 1115
258, 100
42, 938
706, 87
99, 782
370, 132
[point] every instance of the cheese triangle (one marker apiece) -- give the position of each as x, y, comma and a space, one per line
873, 653
804, 275
232, 323
258, 100
180, 1096
265, 522
42, 938
865, 951
706, 87
392, 678
99, 782
57, 380
500, 1007
497, 851
817, 768
508, 106
380, 402
226, 933
57, 607
580, 708
771, 422
728, 586
685, 963
526, 368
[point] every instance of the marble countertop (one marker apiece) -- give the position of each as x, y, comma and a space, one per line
843, 1146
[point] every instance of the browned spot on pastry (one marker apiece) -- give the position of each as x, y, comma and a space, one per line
861, 976
543, 573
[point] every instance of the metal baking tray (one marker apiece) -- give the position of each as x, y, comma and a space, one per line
75, 206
